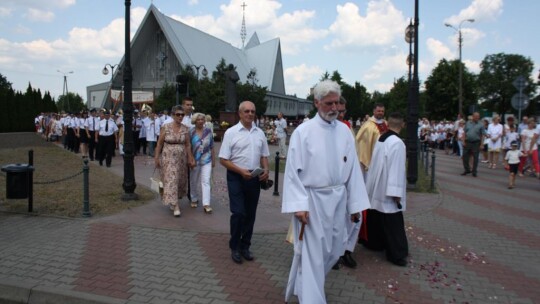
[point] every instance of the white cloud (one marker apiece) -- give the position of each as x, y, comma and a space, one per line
472, 66
22, 30
382, 24
480, 10
82, 47
193, 2
388, 65
439, 50
298, 78
39, 3
294, 29
38, 15
4, 11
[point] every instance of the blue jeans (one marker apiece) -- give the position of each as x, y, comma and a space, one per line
243, 200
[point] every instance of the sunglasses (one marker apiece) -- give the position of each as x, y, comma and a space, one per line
249, 111
178, 114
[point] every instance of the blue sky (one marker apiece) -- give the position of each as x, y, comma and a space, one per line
363, 40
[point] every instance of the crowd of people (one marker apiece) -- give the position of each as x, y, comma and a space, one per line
489, 138
343, 187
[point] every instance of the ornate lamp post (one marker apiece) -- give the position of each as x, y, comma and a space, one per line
105, 71
129, 184
65, 87
460, 42
412, 109
197, 67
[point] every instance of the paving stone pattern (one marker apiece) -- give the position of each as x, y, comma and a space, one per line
474, 242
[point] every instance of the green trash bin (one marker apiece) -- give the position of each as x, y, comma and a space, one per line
17, 180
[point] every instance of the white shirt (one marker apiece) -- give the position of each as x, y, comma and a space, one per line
186, 121
386, 177
526, 143
512, 156
244, 147
112, 127
281, 124
92, 123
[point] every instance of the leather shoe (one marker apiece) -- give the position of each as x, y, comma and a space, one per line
336, 265
246, 254
348, 260
465, 172
474, 174
400, 262
235, 255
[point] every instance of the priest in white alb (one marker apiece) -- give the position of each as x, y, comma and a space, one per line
323, 184
386, 184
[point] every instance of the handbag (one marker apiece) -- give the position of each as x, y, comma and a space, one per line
156, 184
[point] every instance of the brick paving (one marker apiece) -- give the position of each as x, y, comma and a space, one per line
474, 242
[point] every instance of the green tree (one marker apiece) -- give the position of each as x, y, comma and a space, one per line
251, 90
498, 72
166, 98
442, 90
71, 102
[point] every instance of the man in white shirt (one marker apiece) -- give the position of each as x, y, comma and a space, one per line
106, 138
187, 105
323, 185
281, 134
386, 185
92, 124
243, 150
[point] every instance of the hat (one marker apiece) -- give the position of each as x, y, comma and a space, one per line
106, 112
93, 110
136, 111
514, 143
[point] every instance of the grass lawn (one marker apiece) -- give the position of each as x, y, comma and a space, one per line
63, 198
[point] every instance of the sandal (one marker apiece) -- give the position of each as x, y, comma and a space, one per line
194, 204
207, 209
176, 211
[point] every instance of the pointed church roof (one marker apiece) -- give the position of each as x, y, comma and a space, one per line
195, 47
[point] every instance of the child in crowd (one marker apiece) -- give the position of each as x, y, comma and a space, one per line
511, 161
510, 135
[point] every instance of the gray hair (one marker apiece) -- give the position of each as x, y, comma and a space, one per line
326, 87
195, 116
176, 108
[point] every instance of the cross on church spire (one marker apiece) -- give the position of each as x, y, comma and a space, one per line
243, 33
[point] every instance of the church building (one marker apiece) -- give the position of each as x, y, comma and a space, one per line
162, 46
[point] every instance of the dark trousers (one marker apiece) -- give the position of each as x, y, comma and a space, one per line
106, 148
136, 142
243, 199
386, 231
70, 139
92, 145
471, 148
142, 143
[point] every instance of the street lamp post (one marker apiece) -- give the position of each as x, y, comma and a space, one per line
105, 71
129, 184
197, 68
412, 109
65, 87
460, 42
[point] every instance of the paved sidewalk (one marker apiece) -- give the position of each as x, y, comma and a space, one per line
475, 242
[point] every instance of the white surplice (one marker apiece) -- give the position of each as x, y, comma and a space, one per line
387, 175
323, 177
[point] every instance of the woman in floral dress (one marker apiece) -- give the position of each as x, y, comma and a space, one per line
173, 155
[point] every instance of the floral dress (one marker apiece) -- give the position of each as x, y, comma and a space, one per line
174, 161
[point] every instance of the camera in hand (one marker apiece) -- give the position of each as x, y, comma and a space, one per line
267, 184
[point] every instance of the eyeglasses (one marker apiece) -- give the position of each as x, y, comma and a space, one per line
178, 114
249, 111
